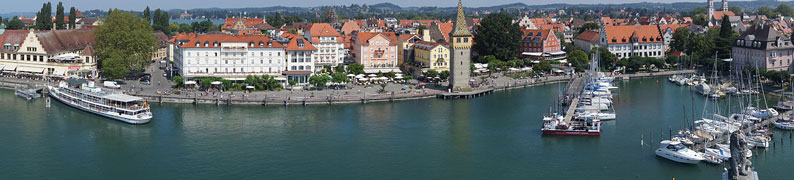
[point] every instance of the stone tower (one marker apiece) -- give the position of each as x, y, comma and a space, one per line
460, 40
331, 17
710, 10
724, 5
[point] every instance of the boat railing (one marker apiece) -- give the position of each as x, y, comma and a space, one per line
129, 108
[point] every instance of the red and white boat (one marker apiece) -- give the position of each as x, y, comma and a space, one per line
555, 125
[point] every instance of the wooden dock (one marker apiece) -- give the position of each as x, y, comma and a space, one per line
465, 95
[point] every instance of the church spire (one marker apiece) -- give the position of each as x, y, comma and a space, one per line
461, 29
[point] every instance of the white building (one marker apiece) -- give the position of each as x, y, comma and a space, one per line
301, 57
56, 53
329, 43
637, 40
232, 57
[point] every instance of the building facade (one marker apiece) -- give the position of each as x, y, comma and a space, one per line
540, 44
231, 57
432, 55
762, 46
587, 40
377, 51
636, 40
329, 43
301, 58
55, 53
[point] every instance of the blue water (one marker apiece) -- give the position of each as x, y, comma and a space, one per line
492, 137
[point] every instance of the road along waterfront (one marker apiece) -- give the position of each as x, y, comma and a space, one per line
492, 137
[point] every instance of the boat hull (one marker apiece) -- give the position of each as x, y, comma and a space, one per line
662, 154
56, 95
571, 133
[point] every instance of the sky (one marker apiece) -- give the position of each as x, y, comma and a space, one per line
10, 6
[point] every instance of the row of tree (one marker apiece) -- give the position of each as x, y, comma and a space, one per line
159, 21
44, 17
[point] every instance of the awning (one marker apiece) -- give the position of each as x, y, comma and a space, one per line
384, 70
557, 53
10, 67
297, 73
216, 83
30, 69
122, 98
190, 82
280, 78
531, 53
59, 72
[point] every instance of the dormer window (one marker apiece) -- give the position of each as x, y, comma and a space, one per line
269, 44
198, 44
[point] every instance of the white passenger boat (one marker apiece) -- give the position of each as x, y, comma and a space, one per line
84, 95
675, 151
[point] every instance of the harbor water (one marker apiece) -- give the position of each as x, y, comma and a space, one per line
492, 137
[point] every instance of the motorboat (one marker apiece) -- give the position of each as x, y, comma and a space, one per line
599, 115
676, 151
758, 141
712, 159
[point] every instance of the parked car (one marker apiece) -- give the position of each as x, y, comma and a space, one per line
111, 84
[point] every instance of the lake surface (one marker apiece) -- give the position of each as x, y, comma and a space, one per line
492, 137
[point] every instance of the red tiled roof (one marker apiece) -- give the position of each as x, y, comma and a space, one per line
364, 37
404, 37
719, 14
318, 30
210, 39
623, 34
673, 27
425, 45
65, 40
249, 22
350, 26
294, 44
78, 14
87, 51
12, 37
590, 36
536, 33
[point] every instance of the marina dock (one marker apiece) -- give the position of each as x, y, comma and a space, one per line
572, 91
726, 136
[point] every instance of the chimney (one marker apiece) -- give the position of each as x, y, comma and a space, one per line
426, 35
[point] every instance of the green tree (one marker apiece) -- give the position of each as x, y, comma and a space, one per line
72, 17
339, 77
147, 15
444, 75
736, 10
768, 12
588, 26
276, 20
681, 39
497, 36
44, 17
544, 66
355, 68
578, 60
60, 23
179, 81
319, 80
339, 68
784, 9
723, 42
606, 59
15, 24
431, 73
700, 19
126, 41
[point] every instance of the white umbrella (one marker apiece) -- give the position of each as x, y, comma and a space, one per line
190, 82
215, 83
384, 78
360, 76
249, 87
373, 75
398, 77
362, 79
351, 75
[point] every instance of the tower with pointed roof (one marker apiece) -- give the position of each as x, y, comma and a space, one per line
460, 40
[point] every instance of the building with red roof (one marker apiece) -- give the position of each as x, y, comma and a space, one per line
539, 44
377, 51
635, 40
55, 53
301, 57
587, 40
228, 56
329, 42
